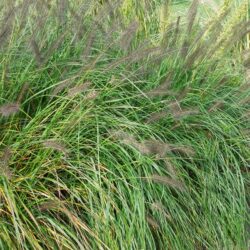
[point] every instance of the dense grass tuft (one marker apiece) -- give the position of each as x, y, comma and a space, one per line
123, 128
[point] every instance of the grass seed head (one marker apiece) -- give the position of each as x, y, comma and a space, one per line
192, 12
131, 141
9, 109
6, 155
157, 116
245, 87
168, 182
152, 222
36, 51
246, 57
248, 75
92, 95
50, 205
23, 92
54, 46
5, 34
72, 92
158, 148
162, 89
217, 105
183, 150
149, 147
63, 8
56, 145
128, 35
4, 163
178, 115
61, 86
171, 168
158, 206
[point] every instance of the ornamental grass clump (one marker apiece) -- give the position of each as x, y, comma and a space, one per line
120, 129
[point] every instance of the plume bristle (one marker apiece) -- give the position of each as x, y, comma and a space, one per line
6, 155
171, 168
184, 49
157, 148
192, 12
244, 87
135, 56
174, 106
157, 116
22, 93
184, 113
168, 182
248, 75
9, 109
4, 35
152, 222
130, 140
63, 7
48, 205
128, 35
183, 150
97, 25
36, 52
7, 24
215, 106
245, 54
162, 89
56, 145
4, 163
54, 46
79, 18
148, 147
178, 113
176, 32
93, 94
78, 89
245, 100
159, 207
61, 86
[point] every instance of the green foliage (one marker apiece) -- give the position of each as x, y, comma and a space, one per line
116, 136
